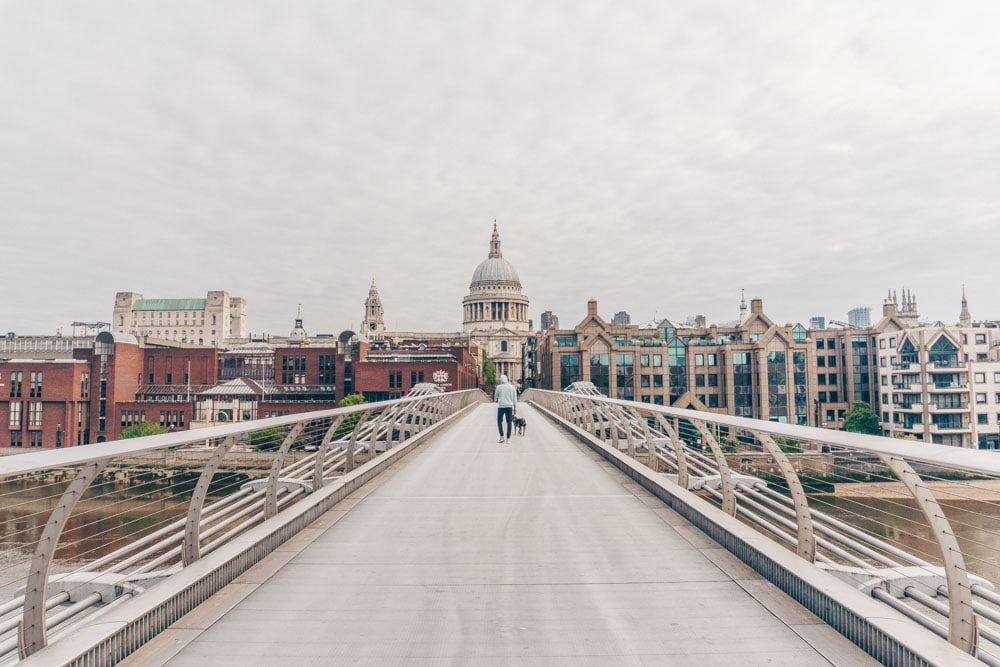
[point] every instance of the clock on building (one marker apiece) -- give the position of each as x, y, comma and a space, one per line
440, 377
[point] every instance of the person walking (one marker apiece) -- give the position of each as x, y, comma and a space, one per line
505, 396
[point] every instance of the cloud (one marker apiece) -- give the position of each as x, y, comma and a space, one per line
658, 157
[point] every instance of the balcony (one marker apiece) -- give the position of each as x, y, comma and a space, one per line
905, 366
950, 428
907, 386
946, 366
910, 407
912, 428
935, 408
948, 386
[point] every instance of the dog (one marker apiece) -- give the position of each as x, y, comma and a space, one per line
519, 425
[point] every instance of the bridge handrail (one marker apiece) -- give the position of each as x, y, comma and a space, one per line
48, 459
973, 460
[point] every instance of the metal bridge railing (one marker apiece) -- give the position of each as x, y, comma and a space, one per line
87, 528
914, 525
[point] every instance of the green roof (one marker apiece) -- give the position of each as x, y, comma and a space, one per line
170, 304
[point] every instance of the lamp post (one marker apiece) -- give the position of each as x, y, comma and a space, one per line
58, 435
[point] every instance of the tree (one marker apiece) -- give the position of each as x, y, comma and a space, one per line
350, 421
351, 399
141, 430
860, 418
489, 372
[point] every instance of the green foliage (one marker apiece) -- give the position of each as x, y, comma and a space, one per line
789, 445
351, 420
268, 439
351, 399
729, 444
489, 372
141, 430
860, 418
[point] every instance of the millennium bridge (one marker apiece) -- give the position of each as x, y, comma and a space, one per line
402, 532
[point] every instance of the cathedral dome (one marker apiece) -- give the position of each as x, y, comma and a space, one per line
495, 271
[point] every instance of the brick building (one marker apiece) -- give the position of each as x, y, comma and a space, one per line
387, 372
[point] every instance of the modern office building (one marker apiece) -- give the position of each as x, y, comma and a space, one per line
859, 318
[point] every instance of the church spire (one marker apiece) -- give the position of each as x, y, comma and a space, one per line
965, 317
373, 324
495, 242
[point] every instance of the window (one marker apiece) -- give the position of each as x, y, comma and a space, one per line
35, 390
892, 343
16, 378
980, 377
982, 419
35, 438
710, 360
170, 378
819, 343
35, 413
644, 361
821, 362
657, 360
644, 381
699, 380
503, 346
713, 379
15, 414
84, 385
980, 339
699, 360
980, 398
15, 439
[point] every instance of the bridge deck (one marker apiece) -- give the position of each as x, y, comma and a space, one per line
472, 552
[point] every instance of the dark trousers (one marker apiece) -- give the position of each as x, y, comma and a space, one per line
505, 414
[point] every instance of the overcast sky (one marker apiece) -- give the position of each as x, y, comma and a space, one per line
658, 156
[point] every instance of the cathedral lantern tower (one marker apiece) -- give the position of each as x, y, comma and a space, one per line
373, 325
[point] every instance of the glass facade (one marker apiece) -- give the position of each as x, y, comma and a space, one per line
600, 373
777, 386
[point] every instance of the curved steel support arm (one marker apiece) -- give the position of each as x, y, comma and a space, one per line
324, 447
271, 501
963, 628
806, 546
726, 475
349, 459
32, 635
679, 450
191, 549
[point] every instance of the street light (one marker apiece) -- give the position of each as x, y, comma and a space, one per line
58, 435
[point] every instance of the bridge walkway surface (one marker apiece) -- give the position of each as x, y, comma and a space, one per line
470, 552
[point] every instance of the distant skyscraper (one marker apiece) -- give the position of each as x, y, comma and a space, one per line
621, 317
860, 318
817, 322
549, 321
